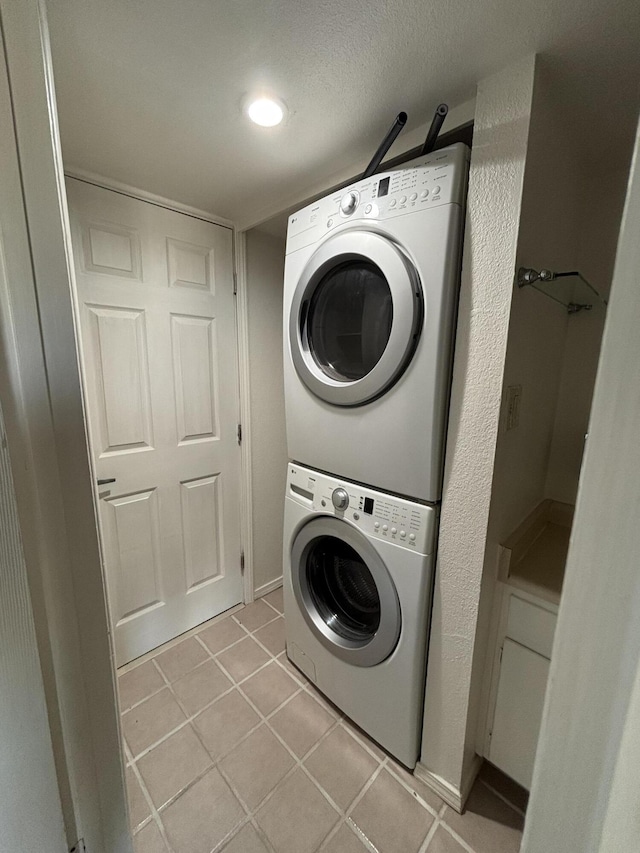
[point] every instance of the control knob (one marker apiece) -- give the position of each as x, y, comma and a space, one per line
340, 498
349, 202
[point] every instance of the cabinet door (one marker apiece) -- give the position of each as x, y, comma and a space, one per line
516, 722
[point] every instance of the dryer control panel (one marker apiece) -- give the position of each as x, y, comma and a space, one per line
379, 515
426, 182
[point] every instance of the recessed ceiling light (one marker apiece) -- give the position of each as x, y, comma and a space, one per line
266, 112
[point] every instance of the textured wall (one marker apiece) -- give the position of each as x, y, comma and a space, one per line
497, 171
265, 272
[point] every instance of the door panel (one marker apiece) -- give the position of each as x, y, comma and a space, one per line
202, 525
133, 543
117, 346
159, 354
194, 344
190, 265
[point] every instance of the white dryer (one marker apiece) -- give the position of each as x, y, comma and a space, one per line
370, 293
358, 579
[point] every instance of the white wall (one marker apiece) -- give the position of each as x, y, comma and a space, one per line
501, 133
552, 355
599, 227
584, 795
265, 272
548, 236
30, 807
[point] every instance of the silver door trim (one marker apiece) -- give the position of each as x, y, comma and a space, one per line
407, 299
365, 653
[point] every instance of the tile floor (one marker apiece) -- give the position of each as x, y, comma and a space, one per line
228, 747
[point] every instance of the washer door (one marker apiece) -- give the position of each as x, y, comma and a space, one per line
345, 592
355, 318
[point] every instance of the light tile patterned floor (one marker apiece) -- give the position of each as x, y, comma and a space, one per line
228, 747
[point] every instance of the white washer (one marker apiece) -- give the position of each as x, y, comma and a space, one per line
370, 293
358, 579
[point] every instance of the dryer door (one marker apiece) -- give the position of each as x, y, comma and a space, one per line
345, 592
355, 318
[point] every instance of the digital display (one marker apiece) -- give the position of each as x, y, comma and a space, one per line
383, 187
368, 506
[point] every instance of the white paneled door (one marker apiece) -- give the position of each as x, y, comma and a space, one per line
158, 345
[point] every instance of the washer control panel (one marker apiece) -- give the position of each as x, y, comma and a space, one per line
429, 181
382, 516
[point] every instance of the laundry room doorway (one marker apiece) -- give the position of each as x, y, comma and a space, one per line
158, 348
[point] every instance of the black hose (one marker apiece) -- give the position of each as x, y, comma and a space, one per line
438, 119
385, 145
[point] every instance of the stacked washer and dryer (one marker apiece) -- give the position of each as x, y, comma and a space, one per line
370, 295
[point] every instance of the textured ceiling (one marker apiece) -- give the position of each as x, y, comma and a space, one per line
150, 91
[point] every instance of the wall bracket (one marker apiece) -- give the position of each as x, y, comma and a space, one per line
526, 276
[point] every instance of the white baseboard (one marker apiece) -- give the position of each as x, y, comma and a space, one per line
454, 797
266, 588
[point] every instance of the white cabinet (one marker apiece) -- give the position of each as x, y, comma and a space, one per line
523, 630
516, 721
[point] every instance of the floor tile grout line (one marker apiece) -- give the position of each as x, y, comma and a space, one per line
152, 658
427, 839
191, 720
170, 644
211, 656
272, 606
192, 782
265, 718
365, 788
234, 684
361, 740
413, 792
135, 829
367, 843
502, 797
273, 657
252, 631
252, 634
464, 844
154, 812
297, 764
192, 717
361, 795
263, 836
231, 834
298, 760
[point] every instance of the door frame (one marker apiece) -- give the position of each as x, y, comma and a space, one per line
44, 411
53, 472
240, 287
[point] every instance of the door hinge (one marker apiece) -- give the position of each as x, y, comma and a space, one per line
78, 847
239, 433
242, 562
235, 284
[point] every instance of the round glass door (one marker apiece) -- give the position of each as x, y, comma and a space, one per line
345, 592
355, 318
349, 320
343, 589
